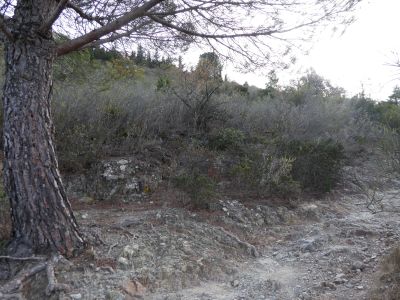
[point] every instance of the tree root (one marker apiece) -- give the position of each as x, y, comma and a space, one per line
250, 248
23, 258
12, 289
11, 297
53, 285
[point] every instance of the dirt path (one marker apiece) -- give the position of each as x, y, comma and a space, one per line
336, 257
327, 249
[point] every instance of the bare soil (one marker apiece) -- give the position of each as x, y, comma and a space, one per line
329, 248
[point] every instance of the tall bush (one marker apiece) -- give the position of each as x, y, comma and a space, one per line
317, 164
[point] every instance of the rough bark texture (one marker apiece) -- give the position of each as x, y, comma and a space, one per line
42, 218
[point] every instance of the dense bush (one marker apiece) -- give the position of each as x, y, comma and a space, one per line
386, 113
94, 122
97, 120
112, 112
200, 188
265, 172
226, 138
316, 164
316, 118
284, 167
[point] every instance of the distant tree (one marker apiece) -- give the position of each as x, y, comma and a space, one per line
42, 218
140, 55
168, 61
104, 54
209, 66
395, 96
312, 86
156, 59
271, 87
197, 94
180, 63
242, 89
148, 60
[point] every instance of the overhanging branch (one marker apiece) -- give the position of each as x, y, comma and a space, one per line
96, 34
84, 15
54, 16
209, 36
113, 37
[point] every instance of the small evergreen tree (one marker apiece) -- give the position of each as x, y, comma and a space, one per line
271, 87
148, 60
156, 59
140, 55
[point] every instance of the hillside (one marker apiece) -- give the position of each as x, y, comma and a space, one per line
188, 186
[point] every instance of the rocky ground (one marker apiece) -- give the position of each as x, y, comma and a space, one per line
155, 247
323, 249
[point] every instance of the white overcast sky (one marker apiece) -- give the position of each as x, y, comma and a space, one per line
357, 58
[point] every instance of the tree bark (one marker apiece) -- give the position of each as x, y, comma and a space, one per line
42, 218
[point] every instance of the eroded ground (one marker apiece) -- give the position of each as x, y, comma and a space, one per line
326, 249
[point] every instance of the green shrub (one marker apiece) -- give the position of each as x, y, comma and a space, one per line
163, 84
80, 148
200, 188
123, 69
226, 138
88, 130
389, 114
243, 169
74, 67
386, 113
317, 164
266, 174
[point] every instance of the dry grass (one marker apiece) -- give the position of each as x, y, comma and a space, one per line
388, 286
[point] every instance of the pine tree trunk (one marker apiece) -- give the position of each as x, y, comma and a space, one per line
42, 218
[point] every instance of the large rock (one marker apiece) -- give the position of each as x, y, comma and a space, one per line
133, 288
124, 178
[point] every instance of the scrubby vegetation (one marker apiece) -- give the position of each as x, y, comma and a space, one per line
199, 187
218, 140
316, 164
281, 140
389, 278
